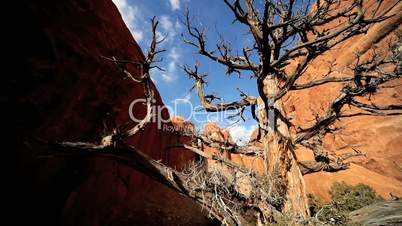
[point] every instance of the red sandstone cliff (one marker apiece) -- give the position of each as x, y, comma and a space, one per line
379, 137
63, 90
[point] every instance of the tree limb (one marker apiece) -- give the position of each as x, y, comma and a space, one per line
206, 103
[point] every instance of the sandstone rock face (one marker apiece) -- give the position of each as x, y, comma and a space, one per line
213, 131
381, 213
63, 90
320, 183
379, 137
179, 134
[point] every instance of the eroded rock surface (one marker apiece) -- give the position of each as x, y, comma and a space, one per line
64, 90
381, 213
379, 137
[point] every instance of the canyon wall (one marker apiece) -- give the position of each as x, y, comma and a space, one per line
64, 90
379, 137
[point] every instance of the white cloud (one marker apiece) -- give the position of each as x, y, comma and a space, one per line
178, 25
166, 23
166, 77
169, 28
153, 79
240, 133
174, 58
131, 15
174, 55
183, 100
174, 4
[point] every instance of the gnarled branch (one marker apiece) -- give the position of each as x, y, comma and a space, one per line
206, 103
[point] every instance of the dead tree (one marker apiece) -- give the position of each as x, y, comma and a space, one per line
282, 31
285, 31
208, 189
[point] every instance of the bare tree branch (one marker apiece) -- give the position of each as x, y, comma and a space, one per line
324, 160
206, 103
348, 93
231, 62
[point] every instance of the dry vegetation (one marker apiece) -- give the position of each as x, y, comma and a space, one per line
345, 199
231, 190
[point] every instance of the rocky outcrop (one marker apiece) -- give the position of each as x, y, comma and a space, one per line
214, 132
320, 183
381, 213
379, 137
63, 90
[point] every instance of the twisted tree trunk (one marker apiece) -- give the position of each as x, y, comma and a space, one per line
280, 158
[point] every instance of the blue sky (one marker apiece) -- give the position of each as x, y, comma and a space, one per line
173, 84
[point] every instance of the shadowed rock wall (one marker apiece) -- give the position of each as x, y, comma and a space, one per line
63, 90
